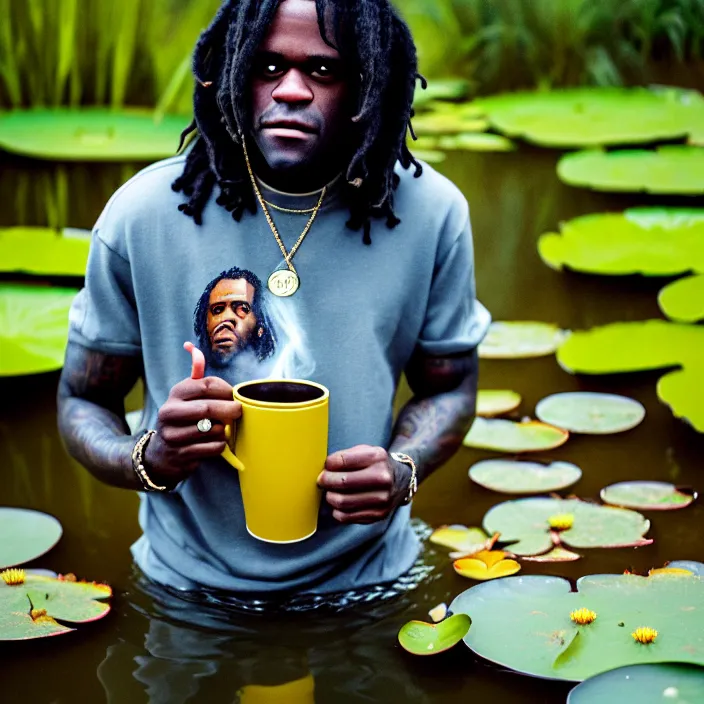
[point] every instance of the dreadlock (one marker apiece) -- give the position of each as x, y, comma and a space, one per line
370, 37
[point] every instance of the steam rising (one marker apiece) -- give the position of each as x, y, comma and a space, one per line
292, 359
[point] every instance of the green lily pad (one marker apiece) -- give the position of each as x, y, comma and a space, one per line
39, 250
520, 339
506, 436
421, 638
447, 123
525, 524
588, 117
441, 89
26, 535
518, 477
33, 328
61, 600
590, 413
430, 156
656, 684
554, 555
683, 300
641, 346
647, 496
90, 134
496, 402
667, 170
524, 622
476, 142
649, 241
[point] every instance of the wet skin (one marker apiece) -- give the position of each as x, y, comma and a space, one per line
231, 320
301, 109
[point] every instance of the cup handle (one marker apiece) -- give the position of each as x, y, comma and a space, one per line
227, 453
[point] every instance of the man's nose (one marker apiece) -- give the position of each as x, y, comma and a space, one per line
292, 88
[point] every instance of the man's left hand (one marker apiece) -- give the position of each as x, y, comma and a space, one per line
364, 484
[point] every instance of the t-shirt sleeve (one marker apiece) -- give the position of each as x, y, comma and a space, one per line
103, 316
455, 321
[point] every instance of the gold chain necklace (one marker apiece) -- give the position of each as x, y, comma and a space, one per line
293, 211
282, 282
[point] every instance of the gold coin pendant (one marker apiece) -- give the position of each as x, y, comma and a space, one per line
284, 283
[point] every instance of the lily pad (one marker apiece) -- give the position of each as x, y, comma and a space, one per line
661, 683
683, 300
33, 328
555, 555
506, 436
641, 346
486, 564
441, 89
496, 402
26, 535
476, 142
524, 524
32, 609
447, 123
460, 538
649, 241
524, 623
39, 250
421, 638
90, 134
590, 413
519, 477
666, 170
583, 117
521, 339
647, 496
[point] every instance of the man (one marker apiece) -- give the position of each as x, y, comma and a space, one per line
311, 127
230, 318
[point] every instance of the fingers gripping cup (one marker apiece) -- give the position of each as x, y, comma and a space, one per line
280, 449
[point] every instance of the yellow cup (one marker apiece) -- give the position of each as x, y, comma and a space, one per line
281, 446
297, 692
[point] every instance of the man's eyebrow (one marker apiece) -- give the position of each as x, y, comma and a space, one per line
273, 55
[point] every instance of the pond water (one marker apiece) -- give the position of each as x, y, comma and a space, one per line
163, 650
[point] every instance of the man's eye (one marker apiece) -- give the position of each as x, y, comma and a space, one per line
322, 70
270, 68
217, 309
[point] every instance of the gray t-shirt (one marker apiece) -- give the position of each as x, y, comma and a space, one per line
359, 314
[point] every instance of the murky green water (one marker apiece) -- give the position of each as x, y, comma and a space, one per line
175, 652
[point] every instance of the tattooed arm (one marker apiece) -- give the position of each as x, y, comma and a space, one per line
92, 423
363, 483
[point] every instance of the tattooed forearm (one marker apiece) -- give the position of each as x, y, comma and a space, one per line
91, 415
432, 425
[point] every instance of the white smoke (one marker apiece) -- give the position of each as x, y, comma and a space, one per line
292, 359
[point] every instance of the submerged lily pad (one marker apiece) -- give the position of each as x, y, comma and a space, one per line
584, 117
649, 241
486, 564
32, 609
33, 328
506, 436
683, 300
520, 339
656, 684
421, 638
641, 346
590, 412
667, 170
524, 622
90, 134
519, 477
26, 535
39, 250
496, 402
525, 524
647, 496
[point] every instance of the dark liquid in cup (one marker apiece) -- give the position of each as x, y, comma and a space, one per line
280, 392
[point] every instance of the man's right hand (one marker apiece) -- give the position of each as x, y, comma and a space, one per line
175, 451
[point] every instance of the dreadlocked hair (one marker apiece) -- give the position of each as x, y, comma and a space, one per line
371, 38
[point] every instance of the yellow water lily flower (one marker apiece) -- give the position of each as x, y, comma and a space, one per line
562, 521
670, 570
486, 564
12, 577
583, 616
644, 635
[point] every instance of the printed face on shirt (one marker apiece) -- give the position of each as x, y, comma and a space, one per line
231, 320
300, 93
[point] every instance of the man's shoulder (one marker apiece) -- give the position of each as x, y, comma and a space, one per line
429, 190
147, 192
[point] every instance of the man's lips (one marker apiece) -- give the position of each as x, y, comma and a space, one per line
290, 127
225, 336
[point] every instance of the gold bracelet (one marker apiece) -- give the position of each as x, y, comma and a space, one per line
138, 462
413, 484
